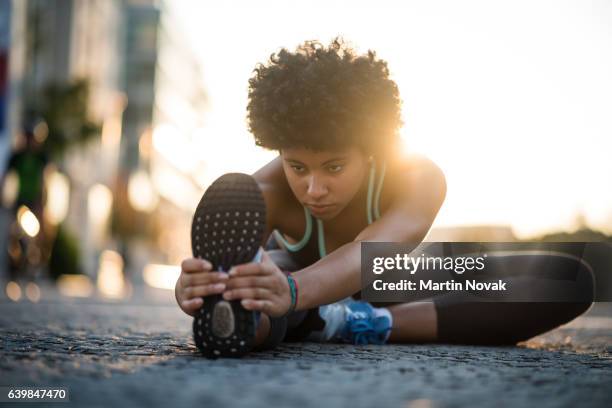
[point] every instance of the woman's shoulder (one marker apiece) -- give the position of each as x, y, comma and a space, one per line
276, 191
271, 178
412, 167
410, 162
413, 176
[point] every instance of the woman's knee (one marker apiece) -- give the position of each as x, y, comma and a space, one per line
581, 292
575, 296
570, 294
554, 278
586, 286
586, 282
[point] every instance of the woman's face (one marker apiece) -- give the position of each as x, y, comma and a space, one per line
324, 182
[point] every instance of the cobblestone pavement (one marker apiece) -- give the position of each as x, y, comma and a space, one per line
123, 354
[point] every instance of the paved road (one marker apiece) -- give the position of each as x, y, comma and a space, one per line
142, 354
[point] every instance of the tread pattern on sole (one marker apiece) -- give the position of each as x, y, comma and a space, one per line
227, 229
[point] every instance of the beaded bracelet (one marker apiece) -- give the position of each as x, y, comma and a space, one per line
293, 288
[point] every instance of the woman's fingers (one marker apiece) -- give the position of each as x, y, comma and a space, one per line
203, 290
204, 278
248, 269
259, 305
265, 267
190, 265
249, 282
192, 305
197, 281
247, 293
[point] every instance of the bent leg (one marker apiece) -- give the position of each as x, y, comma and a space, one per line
462, 317
477, 318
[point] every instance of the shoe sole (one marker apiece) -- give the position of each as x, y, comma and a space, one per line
227, 229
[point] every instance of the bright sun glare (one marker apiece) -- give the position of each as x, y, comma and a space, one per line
511, 99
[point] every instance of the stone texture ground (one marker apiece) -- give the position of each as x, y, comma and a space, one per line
137, 353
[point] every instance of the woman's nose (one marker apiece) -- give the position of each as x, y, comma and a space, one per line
316, 189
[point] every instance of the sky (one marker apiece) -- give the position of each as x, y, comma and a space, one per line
512, 99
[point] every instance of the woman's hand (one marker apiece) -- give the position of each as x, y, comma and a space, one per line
197, 280
261, 286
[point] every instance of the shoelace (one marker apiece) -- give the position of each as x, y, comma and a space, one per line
367, 330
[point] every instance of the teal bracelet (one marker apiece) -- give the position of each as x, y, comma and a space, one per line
293, 289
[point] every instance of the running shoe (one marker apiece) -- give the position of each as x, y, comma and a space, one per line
362, 325
227, 229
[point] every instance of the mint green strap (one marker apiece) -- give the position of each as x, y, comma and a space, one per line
321, 239
379, 190
296, 247
370, 190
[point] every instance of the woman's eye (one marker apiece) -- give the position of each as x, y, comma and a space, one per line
298, 169
335, 168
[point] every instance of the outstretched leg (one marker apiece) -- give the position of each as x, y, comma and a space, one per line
463, 317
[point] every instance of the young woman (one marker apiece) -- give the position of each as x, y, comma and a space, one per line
339, 180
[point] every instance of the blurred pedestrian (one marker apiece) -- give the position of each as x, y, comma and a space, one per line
23, 188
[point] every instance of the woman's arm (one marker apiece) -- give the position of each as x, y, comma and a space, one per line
262, 286
418, 197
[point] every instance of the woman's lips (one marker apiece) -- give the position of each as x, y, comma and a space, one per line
319, 209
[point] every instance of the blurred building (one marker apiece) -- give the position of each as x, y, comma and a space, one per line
5, 35
178, 117
145, 92
11, 20
66, 41
12, 51
166, 101
139, 61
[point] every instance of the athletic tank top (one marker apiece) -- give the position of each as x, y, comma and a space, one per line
373, 213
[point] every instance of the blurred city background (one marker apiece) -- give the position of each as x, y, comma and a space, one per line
115, 115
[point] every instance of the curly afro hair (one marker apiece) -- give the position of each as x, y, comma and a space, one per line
324, 98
